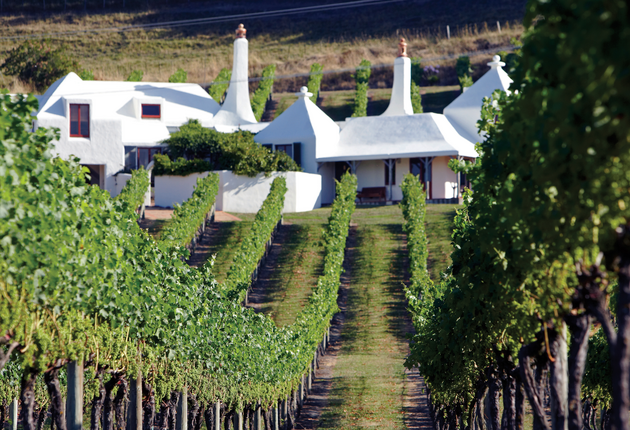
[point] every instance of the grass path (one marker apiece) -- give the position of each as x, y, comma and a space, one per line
222, 239
368, 386
290, 282
439, 223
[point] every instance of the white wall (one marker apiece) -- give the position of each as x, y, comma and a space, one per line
327, 172
443, 178
241, 194
175, 189
371, 173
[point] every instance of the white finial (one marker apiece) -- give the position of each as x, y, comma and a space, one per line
304, 93
496, 62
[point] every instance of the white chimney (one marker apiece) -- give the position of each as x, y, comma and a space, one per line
236, 108
400, 102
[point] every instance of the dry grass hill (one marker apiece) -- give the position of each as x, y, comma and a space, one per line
338, 39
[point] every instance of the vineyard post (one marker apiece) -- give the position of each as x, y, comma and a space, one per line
217, 415
13, 414
134, 419
276, 417
182, 410
238, 425
74, 406
257, 421
310, 380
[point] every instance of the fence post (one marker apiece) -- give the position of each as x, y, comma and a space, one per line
276, 416
13, 414
134, 416
182, 410
238, 425
448, 31
257, 422
217, 415
74, 404
499, 26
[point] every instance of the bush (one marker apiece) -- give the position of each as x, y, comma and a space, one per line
207, 149
180, 76
315, 81
259, 100
416, 70
220, 85
361, 76
180, 167
86, 75
416, 98
463, 70
135, 76
38, 64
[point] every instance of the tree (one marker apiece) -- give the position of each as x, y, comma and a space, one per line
180, 76
463, 70
86, 74
315, 81
37, 63
220, 85
135, 76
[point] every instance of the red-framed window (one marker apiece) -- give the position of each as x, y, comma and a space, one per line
151, 111
79, 120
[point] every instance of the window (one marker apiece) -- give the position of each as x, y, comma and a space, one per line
288, 149
151, 111
79, 120
393, 164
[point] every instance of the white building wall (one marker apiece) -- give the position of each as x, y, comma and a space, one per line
443, 179
103, 147
327, 172
242, 194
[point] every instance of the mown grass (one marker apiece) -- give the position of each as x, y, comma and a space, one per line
368, 378
225, 243
336, 40
299, 265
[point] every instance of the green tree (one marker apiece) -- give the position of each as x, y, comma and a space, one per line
180, 76
416, 98
39, 64
463, 70
135, 76
315, 81
417, 72
220, 85
261, 95
362, 76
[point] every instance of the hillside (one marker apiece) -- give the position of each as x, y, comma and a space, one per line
338, 38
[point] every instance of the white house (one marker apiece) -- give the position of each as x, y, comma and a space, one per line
302, 131
465, 110
118, 126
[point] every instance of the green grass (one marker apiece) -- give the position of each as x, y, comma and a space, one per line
153, 226
368, 378
439, 222
295, 275
225, 244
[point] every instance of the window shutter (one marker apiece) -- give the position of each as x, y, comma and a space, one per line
297, 153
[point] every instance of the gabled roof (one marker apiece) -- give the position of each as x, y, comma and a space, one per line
465, 110
114, 100
303, 119
383, 137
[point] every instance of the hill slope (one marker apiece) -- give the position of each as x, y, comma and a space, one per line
336, 38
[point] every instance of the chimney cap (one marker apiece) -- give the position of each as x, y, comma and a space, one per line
402, 47
496, 62
241, 31
303, 93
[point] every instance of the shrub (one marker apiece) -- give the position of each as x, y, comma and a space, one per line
463, 70
86, 75
431, 73
361, 76
416, 98
220, 85
135, 76
416, 70
38, 64
315, 81
259, 100
207, 149
180, 76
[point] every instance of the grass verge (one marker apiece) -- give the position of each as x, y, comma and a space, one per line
368, 382
225, 240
